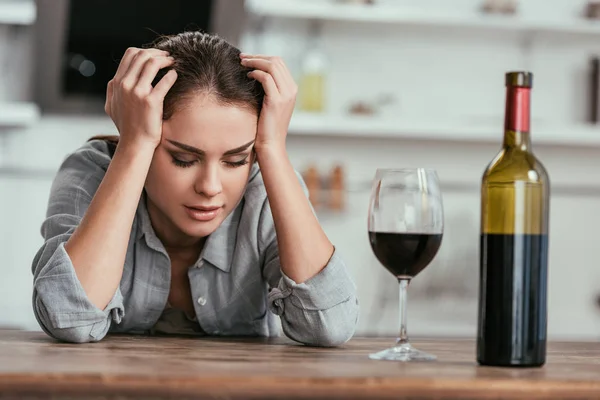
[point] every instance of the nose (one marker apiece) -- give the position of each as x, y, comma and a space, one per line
209, 182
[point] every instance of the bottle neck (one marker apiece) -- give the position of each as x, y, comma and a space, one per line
517, 119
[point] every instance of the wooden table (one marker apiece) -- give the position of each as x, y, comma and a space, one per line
33, 365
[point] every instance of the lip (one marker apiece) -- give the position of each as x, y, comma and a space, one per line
204, 208
203, 213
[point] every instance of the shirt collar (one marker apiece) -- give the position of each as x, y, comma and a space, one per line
220, 245
145, 228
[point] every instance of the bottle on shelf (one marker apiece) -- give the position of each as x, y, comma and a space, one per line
337, 191
592, 9
515, 194
312, 180
311, 84
594, 90
499, 7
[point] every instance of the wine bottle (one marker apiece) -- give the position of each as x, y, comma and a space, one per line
515, 194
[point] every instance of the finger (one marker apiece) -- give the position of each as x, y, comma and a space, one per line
248, 55
132, 54
162, 87
135, 69
259, 63
277, 68
266, 66
287, 80
109, 93
151, 68
267, 82
125, 61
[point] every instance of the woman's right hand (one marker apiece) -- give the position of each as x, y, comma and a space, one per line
132, 103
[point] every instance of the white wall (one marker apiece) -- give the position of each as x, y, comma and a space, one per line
448, 75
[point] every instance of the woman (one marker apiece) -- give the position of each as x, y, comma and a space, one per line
174, 228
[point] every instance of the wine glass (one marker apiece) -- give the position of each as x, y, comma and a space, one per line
406, 224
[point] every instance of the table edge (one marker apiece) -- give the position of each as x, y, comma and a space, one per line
275, 387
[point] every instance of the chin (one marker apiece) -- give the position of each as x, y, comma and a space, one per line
199, 229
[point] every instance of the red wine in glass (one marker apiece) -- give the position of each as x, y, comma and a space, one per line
406, 224
405, 254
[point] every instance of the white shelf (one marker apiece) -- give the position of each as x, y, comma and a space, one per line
18, 114
328, 10
380, 127
17, 12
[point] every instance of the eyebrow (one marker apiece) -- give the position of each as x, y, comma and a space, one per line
196, 150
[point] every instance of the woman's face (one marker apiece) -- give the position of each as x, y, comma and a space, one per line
200, 169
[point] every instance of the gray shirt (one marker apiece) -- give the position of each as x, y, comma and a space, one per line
235, 282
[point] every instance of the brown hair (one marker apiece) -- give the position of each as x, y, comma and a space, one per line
205, 63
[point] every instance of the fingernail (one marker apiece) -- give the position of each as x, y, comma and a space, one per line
244, 61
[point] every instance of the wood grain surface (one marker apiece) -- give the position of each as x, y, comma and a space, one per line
34, 366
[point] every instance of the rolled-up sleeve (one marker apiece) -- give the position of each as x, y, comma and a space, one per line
322, 311
60, 303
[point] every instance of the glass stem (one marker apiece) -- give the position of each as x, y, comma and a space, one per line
403, 337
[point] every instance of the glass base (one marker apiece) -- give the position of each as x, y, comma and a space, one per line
402, 352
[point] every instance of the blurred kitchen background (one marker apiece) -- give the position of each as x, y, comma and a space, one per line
383, 83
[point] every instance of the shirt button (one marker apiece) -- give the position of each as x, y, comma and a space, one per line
201, 301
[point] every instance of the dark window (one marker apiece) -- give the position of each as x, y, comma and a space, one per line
99, 32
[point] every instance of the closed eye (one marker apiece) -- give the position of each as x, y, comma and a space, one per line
235, 164
183, 164
187, 164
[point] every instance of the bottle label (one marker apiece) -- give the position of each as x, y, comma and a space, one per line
517, 109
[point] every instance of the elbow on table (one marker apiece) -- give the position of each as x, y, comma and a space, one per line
75, 335
69, 330
337, 331
334, 337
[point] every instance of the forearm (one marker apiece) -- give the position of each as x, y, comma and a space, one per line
304, 248
98, 246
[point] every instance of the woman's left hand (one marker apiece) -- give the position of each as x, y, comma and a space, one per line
280, 97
